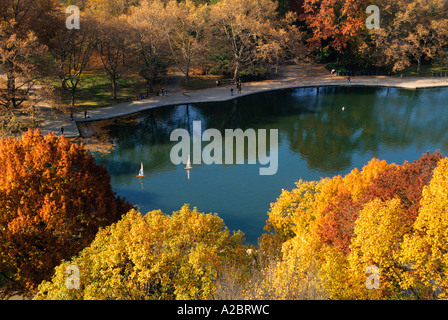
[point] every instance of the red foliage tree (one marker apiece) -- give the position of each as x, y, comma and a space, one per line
405, 182
53, 199
340, 216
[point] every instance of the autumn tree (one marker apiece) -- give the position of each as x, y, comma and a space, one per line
248, 28
326, 233
155, 256
334, 23
185, 23
424, 251
281, 40
71, 50
21, 55
405, 182
411, 31
53, 200
151, 42
378, 234
115, 44
111, 7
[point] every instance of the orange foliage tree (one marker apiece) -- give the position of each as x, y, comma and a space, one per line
405, 182
391, 217
335, 23
53, 199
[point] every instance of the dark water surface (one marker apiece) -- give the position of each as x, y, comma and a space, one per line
316, 139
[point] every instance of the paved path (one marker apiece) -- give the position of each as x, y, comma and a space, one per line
302, 75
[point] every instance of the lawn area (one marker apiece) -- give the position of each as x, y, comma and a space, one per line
95, 89
203, 82
426, 70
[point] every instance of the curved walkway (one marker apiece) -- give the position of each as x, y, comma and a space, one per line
304, 75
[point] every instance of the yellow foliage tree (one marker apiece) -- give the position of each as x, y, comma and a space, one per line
425, 251
379, 231
295, 204
310, 266
155, 256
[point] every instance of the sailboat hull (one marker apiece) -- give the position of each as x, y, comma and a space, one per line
140, 173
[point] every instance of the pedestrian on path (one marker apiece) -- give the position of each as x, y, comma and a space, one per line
62, 130
231, 91
349, 80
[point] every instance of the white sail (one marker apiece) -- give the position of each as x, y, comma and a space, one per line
140, 173
188, 166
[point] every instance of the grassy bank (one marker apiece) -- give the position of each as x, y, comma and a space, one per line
95, 89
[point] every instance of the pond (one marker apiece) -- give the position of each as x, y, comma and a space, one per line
322, 133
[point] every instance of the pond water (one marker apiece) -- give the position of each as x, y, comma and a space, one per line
322, 133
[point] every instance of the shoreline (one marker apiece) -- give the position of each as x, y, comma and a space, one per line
291, 79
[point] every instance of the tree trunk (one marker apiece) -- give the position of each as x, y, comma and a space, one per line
187, 74
236, 72
114, 88
149, 86
11, 87
419, 65
72, 104
63, 84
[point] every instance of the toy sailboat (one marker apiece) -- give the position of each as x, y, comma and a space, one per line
188, 166
141, 173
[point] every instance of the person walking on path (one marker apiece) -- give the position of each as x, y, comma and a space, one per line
62, 130
231, 91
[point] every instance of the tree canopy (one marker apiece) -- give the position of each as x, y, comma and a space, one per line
53, 200
155, 256
389, 217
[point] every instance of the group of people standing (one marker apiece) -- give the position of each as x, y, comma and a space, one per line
163, 92
238, 88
